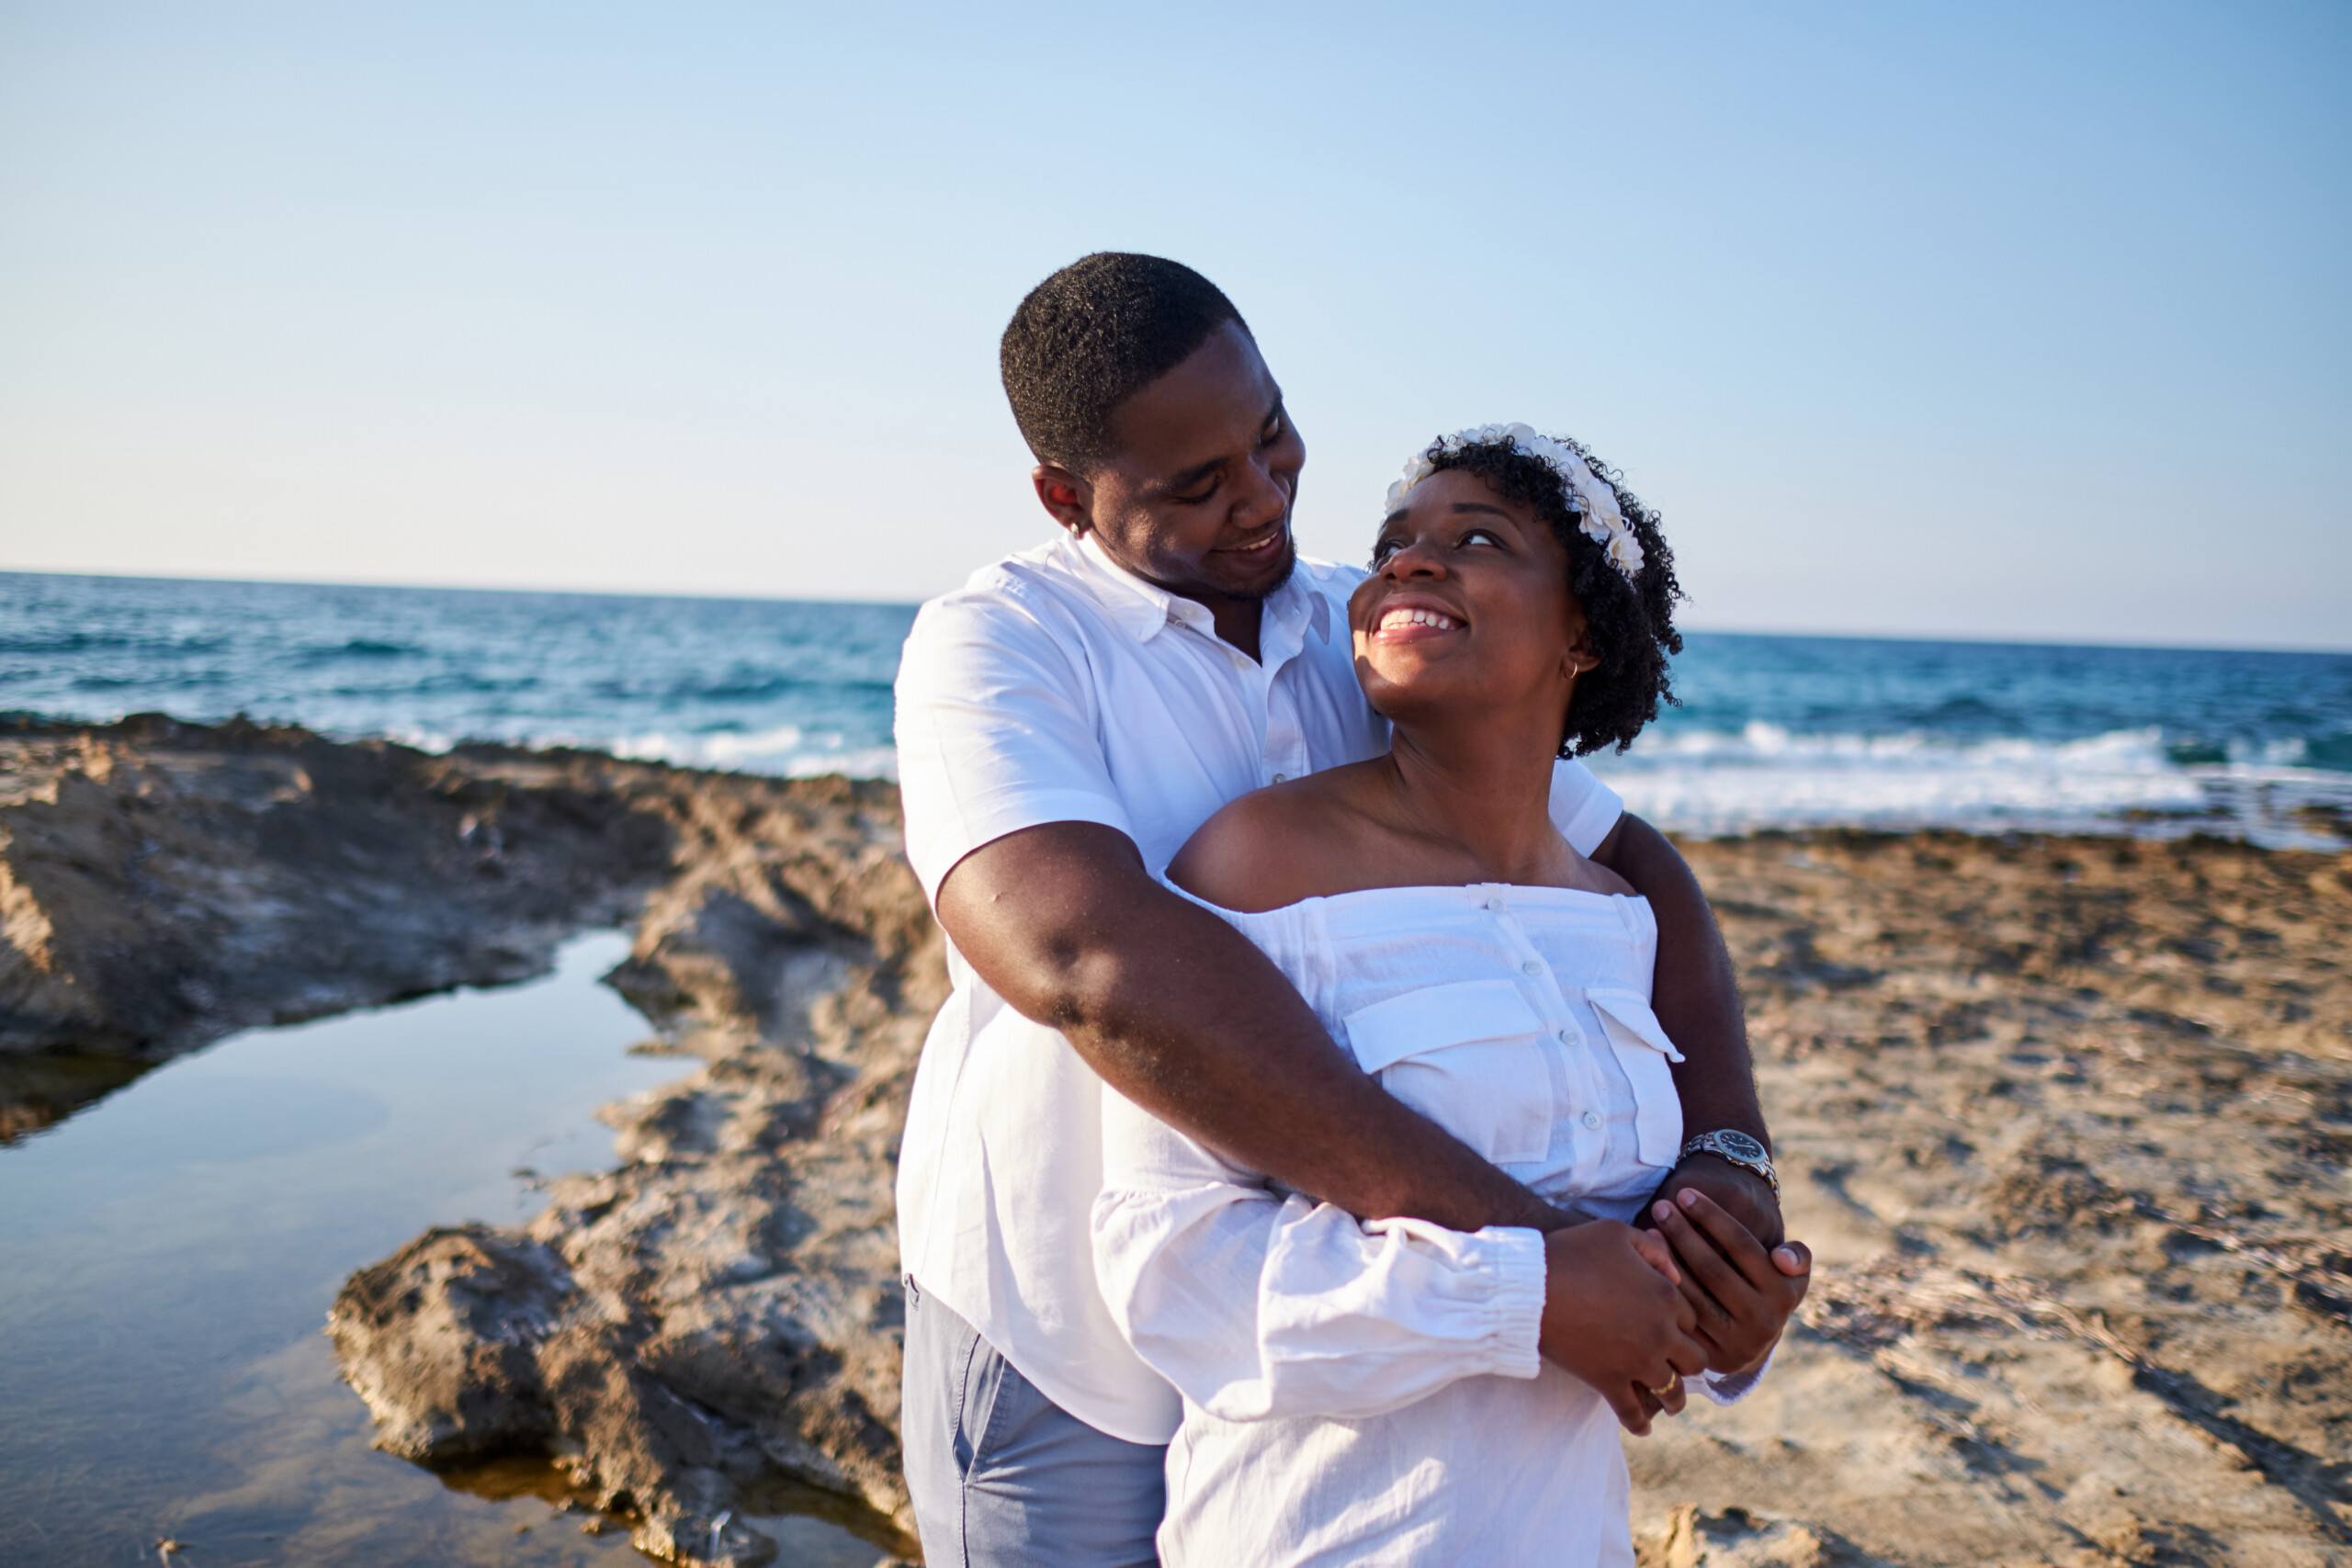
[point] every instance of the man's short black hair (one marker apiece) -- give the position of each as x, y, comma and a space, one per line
1094, 335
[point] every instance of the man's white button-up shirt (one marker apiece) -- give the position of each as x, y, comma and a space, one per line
1056, 687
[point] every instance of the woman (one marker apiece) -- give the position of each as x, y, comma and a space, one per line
1395, 1392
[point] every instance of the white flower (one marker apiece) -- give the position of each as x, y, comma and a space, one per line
1598, 517
1417, 469
1625, 553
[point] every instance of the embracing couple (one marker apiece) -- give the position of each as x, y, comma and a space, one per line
1341, 1120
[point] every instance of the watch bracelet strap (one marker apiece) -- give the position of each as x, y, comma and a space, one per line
1763, 1166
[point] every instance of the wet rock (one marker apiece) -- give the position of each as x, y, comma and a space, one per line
162, 884
442, 1340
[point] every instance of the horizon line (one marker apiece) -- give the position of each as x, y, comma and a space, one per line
2021, 639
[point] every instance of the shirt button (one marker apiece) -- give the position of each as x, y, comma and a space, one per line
1532, 967
1495, 906
1282, 778
1567, 1037
1592, 1120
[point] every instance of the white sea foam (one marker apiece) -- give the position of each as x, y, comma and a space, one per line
788, 749
1763, 776
1767, 777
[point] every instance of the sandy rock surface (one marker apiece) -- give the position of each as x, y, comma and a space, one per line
2067, 1121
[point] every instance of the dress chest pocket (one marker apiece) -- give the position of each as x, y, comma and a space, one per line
1643, 1050
1468, 1058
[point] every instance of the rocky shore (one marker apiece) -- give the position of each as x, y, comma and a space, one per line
707, 1333
2068, 1121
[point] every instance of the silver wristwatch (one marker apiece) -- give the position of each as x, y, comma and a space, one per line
1740, 1149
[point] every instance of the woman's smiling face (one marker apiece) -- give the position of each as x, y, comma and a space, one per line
1467, 608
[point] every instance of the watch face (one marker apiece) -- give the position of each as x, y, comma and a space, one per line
1740, 1144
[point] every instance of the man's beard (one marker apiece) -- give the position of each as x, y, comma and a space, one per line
1290, 565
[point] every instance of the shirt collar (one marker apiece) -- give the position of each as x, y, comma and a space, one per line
1146, 609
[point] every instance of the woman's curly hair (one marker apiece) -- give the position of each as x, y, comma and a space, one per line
1632, 623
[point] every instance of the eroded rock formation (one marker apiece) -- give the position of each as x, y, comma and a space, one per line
162, 884
719, 1318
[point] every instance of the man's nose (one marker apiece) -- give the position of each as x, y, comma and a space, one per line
1266, 498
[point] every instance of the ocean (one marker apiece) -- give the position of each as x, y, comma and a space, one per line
1773, 731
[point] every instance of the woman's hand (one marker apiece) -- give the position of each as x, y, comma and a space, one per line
1740, 1295
1615, 1316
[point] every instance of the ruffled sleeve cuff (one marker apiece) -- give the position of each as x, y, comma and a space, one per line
1730, 1388
1518, 1263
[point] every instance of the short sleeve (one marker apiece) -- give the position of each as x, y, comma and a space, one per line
1583, 808
996, 730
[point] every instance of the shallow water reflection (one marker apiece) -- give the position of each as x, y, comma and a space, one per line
38, 1091
167, 1258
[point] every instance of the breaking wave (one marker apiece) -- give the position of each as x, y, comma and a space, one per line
1766, 776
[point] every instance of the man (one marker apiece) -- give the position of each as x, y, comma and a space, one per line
1065, 722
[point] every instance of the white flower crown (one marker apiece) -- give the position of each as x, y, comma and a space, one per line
1594, 503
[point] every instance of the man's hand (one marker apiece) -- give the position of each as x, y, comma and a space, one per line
1614, 1315
1741, 1296
1739, 1191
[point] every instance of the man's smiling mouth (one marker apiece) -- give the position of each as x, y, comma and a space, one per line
1272, 541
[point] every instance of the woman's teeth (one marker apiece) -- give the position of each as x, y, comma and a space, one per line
1418, 618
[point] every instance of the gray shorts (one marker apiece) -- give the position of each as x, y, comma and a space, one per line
1001, 1477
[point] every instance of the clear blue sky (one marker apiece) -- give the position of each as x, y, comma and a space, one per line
2025, 319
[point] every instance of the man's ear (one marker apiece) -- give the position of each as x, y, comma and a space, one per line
1070, 500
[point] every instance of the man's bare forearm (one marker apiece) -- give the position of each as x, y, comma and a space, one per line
1695, 990
1177, 1011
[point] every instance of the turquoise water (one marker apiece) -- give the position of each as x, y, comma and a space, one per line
1775, 731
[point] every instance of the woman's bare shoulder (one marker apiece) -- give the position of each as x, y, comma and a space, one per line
1272, 847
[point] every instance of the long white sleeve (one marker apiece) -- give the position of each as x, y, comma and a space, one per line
1258, 1305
